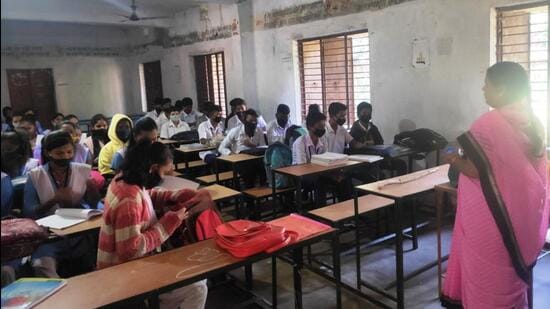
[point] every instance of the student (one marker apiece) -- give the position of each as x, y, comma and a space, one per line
363, 130
313, 108
211, 131
174, 125
56, 120
58, 183
7, 114
98, 137
145, 129
131, 228
238, 113
30, 112
164, 117
72, 118
28, 124
337, 137
16, 151
189, 115
277, 127
157, 109
81, 153
245, 136
16, 120
203, 110
119, 133
232, 105
312, 143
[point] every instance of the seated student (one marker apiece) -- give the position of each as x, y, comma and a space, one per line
59, 183
81, 153
18, 141
174, 125
243, 137
237, 113
28, 124
119, 133
98, 136
131, 228
54, 123
157, 109
203, 110
232, 105
16, 120
277, 127
164, 117
30, 112
189, 115
337, 137
7, 115
144, 129
211, 131
72, 118
15, 152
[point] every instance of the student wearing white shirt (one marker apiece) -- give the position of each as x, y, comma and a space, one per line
164, 117
276, 128
189, 115
337, 137
243, 137
212, 129
157, 109
174, 125
237, 118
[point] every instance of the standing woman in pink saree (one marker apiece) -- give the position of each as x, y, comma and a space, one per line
502, 212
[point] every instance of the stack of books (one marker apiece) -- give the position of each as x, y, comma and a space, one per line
329, 159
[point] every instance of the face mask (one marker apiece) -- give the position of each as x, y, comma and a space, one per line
365, 118
61, 162
341, 122
217, 119
250, 128
175, 118
123, 134
158, 110
319, 132
99, 134
282, 122
240, 115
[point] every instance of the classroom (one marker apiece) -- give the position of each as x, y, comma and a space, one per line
275, 154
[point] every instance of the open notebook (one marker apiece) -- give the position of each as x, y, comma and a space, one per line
67, 217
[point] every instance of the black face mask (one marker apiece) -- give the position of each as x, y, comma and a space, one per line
153, 180
61, 162
100, 134
123, 134
282, 121
319, 132
365, 118
340, 122
250, 128
240, 115
158, 110
217, 119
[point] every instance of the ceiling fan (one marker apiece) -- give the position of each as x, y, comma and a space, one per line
135, 17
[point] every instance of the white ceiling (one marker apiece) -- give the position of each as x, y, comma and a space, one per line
98, 11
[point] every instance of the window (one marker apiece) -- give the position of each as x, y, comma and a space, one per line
210, 80
335, 69
522, 36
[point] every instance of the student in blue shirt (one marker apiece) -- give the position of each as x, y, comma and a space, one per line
16, 150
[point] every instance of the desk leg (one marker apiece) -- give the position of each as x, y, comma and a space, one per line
248, 276
336, 268
357, 240
299, 194
439, 196
235, 178
186, 161
273, 194
399, 256
216, 168
274, 282
297, 271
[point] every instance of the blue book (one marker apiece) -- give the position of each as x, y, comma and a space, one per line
28, 292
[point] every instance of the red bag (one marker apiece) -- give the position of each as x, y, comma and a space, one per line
20, 237
243, 238
206, 224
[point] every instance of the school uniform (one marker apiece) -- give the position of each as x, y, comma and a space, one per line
7, 194
153, 115
161, 120
37, 148
234, 141
303, 148
336, 140
170, 129
191, 119
276, 133
207, 131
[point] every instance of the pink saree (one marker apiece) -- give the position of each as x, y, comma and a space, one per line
501, 218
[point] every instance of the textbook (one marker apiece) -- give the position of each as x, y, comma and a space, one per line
29, 292
365, 158
173, 183
67, 217
329, 159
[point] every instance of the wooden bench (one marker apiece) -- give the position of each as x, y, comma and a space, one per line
343, 211
210, 179
259, 193
192, 164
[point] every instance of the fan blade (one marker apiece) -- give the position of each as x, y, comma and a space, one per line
156, 17
121, 15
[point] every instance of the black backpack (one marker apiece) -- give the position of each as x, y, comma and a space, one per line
424, 140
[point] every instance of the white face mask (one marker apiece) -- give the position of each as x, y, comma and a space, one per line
175, 117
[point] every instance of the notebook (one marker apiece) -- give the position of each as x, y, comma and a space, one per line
365, 158
67, 217
329, 159
29, 292
177, 183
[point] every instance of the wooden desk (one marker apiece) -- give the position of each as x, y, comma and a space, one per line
400, 192
344, 211
168, 141
441, 192
188, 151
148, 276
84, 227
220, 193
297, 172
401, 152
234, 160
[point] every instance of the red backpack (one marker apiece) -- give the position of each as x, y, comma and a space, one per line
20, 237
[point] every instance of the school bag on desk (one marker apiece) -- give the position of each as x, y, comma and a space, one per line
20, 237
424, 140
276, 156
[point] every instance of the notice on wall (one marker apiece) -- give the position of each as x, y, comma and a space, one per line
420, 53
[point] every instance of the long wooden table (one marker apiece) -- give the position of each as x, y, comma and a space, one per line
400, 192
149, 276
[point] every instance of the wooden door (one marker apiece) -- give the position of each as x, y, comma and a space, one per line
33, 89
153, 82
